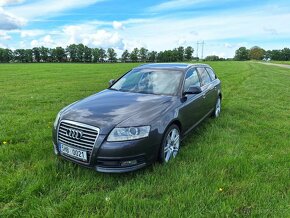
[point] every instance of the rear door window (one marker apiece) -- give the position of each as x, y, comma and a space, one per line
204, 77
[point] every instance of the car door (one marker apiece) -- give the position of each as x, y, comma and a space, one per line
214, 87
193, 104
208, 90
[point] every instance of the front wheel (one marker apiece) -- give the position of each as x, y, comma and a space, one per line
170, 144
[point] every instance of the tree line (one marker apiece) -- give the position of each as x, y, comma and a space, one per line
257, 53
79, 53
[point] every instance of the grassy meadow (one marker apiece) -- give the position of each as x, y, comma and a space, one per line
236, 165
280, 62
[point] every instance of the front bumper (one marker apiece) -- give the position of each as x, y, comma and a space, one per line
118, 157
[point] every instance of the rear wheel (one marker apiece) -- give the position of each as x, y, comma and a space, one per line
170, 144
218, 107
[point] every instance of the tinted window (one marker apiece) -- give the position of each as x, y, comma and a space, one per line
205, 79
191, 79
211, 73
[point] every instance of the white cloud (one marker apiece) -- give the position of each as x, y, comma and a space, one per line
9, 22
45, 41
117, 25
104, 39
161, 33
48, 8
92, 36
131, 44
8, 2
228, 45
5, 36
175, 4
31, 33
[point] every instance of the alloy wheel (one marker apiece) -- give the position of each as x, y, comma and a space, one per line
172, 144
218, 108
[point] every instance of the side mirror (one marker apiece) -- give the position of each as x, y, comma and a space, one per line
111, 82
192, 90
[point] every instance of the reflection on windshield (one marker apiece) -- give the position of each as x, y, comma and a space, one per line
148, 81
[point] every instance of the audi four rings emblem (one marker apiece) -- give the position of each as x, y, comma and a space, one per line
74, 134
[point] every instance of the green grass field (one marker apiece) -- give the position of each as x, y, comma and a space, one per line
237, 165
280, 62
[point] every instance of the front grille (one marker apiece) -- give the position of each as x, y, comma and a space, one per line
88, 137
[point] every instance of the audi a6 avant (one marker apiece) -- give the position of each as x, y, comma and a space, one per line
140, 118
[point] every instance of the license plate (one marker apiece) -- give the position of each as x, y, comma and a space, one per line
73, 152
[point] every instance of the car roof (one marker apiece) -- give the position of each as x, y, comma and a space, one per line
175, 66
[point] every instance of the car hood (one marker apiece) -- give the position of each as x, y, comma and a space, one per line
110, 108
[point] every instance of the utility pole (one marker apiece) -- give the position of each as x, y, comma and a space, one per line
197, 44
202, 50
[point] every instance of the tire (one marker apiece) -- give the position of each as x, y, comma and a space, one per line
170, 144
217, 109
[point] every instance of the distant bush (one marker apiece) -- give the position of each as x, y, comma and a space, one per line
213, 58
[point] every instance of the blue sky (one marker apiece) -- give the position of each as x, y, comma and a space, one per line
224, 25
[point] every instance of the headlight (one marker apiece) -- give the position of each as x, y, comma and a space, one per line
56, 120
128, 133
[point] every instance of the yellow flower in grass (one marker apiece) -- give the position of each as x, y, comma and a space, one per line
4, 143
220, 189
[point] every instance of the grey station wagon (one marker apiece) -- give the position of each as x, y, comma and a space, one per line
142, 117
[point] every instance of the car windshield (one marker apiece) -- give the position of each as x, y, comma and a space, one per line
150, 81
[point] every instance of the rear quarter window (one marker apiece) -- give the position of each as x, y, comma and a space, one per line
211, 73
204, 77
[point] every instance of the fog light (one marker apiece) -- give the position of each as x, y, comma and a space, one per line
128, 163
55, 149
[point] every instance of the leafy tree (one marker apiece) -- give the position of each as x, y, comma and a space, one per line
134, 55
102, 54
125, 56
36, 54
80, 52
6, 55
19, 55
87, 54
152, 56
72, 52
242, 54
96, 54
256, 53
28, 56
112, 56
44, 53
175, 55
160, 56
143, 53
268, 54
180, 53
59, 54
188, 53
212, 58
276, 55
285, 54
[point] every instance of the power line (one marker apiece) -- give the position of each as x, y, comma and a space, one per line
202, 48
